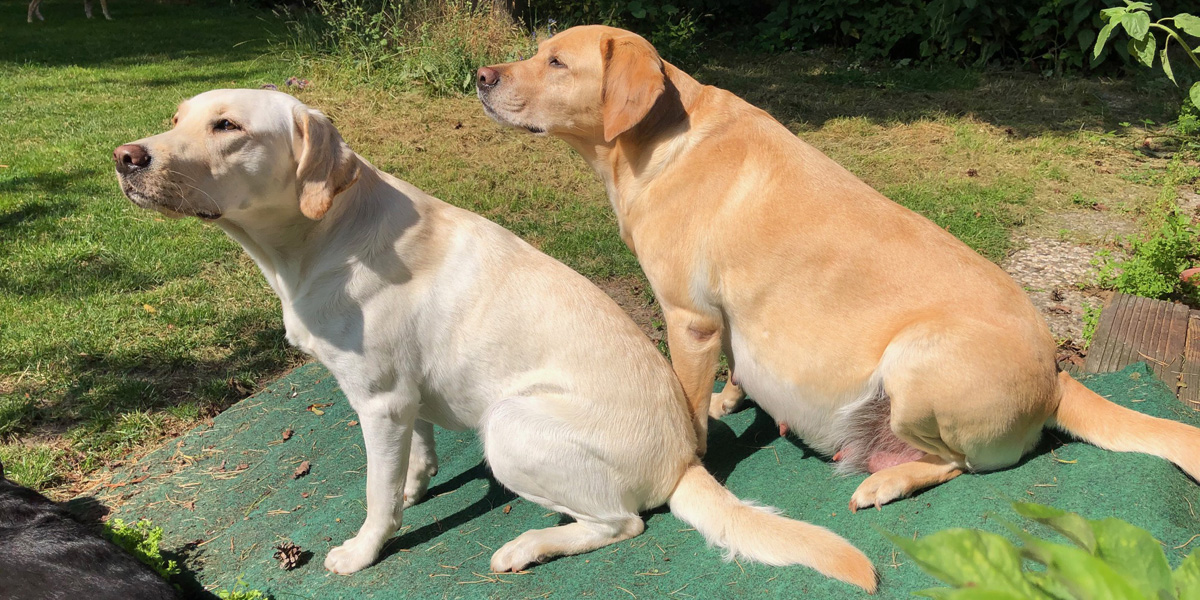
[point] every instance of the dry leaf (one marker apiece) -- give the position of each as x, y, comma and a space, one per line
287, 434
301, 470
507, 509
316, 408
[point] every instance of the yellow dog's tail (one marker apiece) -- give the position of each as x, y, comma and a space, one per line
1090, 417
759, 533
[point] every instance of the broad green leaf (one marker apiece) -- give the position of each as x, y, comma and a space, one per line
1102, 38
1074, 527
1132, 552
1137, 25
1166, 65
969, 558
1049, 586
1189, 24
1085, 37
1187, 576
1113, 15
981, 594
1143, 50
1195, 94
1083, 574
1132, 6
935, 593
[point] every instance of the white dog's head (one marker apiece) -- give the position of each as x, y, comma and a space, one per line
238, 154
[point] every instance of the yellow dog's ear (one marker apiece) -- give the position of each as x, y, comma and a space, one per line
633, 81
326, 165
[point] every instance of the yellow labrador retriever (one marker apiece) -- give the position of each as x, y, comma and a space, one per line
427, 313
876, 336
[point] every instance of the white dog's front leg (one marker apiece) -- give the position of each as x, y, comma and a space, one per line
387, 426
422, 463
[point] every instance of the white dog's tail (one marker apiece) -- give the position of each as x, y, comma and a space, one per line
759, 533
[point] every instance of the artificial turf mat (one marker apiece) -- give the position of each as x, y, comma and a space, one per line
226, 495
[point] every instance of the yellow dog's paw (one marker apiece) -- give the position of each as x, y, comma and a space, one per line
879, 489
352, 556
725, 402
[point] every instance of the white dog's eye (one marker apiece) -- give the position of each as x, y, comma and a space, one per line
554, 62
225, 125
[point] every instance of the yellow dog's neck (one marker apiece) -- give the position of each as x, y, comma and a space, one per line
637, 156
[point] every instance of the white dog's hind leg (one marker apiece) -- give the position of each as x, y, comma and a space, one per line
538, 545
387, 435
550, 462
104, 9
87, 8
422, 463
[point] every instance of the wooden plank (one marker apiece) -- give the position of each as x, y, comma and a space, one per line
1173, 343
1103, 334
1189, 375
1134, 329
1135, 336
1115, 342
1118, 345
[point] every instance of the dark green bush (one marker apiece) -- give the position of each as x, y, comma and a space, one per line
1049, 35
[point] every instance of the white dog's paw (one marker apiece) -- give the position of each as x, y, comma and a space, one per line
414, 491
416, 485
517, 554
351, 556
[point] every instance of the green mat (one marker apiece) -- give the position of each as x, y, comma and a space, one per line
226, 494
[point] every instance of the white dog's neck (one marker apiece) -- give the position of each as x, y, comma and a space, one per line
284, 247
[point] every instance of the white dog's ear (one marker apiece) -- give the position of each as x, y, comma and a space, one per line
633, 81
326, 165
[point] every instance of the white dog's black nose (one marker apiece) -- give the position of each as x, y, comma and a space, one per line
487, 77
130, 158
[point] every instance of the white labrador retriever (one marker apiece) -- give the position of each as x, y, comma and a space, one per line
428, 314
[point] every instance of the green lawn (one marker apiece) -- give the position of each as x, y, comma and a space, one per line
120, 328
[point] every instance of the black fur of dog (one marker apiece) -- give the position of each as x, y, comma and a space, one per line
45, 553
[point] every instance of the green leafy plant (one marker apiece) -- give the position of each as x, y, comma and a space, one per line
1153, 267
1091, 319
1107, 558
1134, 18
142, 539
242, 591
436, 44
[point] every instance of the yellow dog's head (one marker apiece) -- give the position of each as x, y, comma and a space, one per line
590, 82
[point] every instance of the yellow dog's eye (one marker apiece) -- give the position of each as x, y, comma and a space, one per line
225, 125
554, 62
